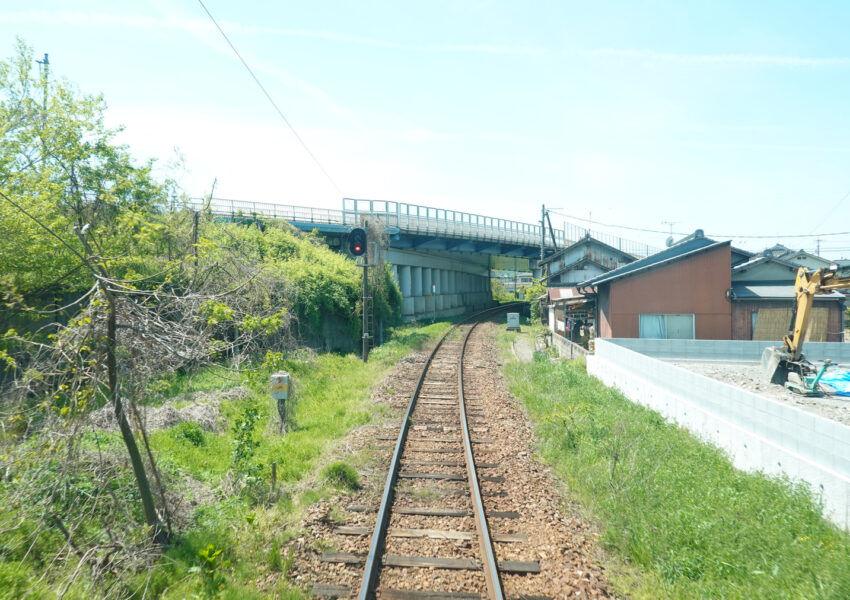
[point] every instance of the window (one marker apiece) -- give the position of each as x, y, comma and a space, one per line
667, 327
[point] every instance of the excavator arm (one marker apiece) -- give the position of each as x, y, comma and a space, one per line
807, 286
777, 361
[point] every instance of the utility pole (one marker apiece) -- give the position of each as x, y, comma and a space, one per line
44, 69
670, 223
542, 231
365, 325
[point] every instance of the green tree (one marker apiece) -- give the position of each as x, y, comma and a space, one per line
60, 163
532, 293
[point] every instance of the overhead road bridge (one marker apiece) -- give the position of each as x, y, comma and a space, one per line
440, 258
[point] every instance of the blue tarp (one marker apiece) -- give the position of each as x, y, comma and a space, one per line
840, 380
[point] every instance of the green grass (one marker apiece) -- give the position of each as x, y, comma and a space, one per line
330, 397
675, 510
341, 475
239, 513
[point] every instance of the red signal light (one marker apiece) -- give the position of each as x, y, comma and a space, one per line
357, 241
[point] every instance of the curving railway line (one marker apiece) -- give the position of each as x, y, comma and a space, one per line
439, 499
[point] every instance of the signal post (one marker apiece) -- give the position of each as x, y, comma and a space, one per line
357, 245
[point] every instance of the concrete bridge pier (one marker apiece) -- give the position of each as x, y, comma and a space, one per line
440, 285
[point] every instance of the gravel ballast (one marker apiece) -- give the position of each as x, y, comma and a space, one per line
557, 537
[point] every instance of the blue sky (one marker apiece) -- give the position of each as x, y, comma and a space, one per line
727, 116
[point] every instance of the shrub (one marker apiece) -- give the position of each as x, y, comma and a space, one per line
189, 431
342, 476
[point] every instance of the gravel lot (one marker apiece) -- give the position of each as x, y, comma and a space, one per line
749, 377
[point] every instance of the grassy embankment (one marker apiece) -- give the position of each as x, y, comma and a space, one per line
674, 510
238, 513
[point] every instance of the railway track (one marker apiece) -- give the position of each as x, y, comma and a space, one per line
432, 537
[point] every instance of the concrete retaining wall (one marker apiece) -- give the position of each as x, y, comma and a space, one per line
729, 350
758, 433
566, 348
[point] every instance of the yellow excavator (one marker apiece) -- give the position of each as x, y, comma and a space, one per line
786, 365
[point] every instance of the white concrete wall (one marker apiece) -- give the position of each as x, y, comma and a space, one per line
566, 348
758, 433
734, 350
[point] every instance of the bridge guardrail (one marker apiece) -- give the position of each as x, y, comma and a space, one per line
305, 214
413, 218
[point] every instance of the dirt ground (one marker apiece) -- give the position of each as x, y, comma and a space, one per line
748, 376
570, 559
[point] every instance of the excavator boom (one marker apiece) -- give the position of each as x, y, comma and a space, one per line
776, 362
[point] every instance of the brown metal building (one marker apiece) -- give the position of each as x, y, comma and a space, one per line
702, 289
680, 292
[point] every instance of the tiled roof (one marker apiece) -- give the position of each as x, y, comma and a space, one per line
690, 246
756, 260
750, 291
559, 293
589, 240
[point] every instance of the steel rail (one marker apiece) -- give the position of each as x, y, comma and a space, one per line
373, 559
488, 554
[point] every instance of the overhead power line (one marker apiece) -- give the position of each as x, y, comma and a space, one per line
270, 99
719, 235
832, 210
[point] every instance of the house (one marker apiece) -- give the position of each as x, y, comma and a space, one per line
702, 289
570, 313
800, 258
763, 300
680, 292
582, 260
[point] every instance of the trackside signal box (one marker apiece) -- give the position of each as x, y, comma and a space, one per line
513, 321
280, 393
280, 385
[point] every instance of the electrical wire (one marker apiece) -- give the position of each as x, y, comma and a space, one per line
795, 235
270, 99
832, 210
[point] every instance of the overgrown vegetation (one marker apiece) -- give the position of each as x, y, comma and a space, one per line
532, 293
341, 475
499, 291
115, 299
673, 507
230, 523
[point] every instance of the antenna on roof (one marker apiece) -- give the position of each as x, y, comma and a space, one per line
669, 241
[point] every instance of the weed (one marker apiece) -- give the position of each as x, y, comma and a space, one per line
244, 444
342, 476
337, 515
189, 431
333, 398
674, 507
287, 562
275, 559
424, 493
211, 569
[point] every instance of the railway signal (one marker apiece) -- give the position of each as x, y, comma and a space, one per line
357, 241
